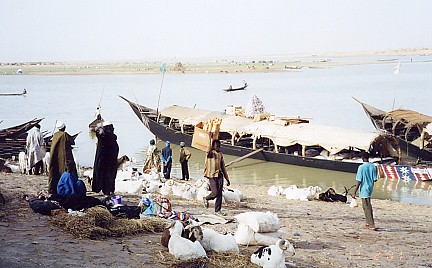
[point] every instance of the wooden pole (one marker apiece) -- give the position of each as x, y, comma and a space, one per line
243, 157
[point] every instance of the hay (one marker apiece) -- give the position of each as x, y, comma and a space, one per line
98, 223
214, 260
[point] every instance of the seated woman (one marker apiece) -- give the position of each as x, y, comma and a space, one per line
69, 185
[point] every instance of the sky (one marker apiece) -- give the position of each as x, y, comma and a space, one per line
109, 30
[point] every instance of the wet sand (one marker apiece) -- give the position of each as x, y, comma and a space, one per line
323, 234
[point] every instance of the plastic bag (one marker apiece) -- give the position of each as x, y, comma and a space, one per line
353, 203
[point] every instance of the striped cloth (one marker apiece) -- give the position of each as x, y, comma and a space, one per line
405, 173
213, 164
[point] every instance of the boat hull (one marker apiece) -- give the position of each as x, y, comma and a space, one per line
376, 116
165, 133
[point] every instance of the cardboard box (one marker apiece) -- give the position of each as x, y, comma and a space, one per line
201, 139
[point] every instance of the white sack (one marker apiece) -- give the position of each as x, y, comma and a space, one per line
260, 222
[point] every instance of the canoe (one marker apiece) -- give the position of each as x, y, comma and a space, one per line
14, 94
292, 142
95, 122
235, 89
413, 129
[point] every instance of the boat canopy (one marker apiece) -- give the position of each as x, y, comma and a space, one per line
333, 139
409, 118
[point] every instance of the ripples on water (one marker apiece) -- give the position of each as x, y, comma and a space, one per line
323, 95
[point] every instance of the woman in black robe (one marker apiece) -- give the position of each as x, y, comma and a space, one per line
105, 164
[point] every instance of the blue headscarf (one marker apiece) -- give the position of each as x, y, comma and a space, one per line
69, 185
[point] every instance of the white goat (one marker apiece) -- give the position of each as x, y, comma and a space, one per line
178, 188
152, 186
190, 192
182, 248
275, 190
166, 188
22, 159
217, 242
129, 186
272, 256
203, 191
230, 195
304, 194
14, 168
46, 163
201, 182
191, 232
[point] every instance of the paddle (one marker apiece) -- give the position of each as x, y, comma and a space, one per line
243, 157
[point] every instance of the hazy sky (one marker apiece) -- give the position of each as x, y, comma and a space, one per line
80, 30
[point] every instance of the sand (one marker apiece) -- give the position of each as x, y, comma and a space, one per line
323, 234
246, 64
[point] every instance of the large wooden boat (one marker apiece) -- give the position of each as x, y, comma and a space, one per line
13, 139
283, 140
413, 129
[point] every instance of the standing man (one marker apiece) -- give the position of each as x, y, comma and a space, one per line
366, 177
35, 149
215, 171
61, 157
167, 160
105, 163
184, 158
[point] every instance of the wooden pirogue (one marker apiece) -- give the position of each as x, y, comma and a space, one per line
295, 142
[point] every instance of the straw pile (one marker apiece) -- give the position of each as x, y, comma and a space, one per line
214, 260
98, 223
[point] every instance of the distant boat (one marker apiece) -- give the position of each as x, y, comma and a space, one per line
396, 69
98, 120
14, 94
235, 89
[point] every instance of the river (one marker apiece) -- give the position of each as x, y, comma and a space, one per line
323, 95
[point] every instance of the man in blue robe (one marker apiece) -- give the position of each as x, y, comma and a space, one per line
167, 160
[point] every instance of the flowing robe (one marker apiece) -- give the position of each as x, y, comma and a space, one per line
105, 163
61, 159
153, 160
35, 147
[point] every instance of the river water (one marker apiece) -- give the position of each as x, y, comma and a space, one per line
323, 95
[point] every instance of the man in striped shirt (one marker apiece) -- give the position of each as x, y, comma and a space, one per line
215, 171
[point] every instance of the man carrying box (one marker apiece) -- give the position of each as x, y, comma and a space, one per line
215, 171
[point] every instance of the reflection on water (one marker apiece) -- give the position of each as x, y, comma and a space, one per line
418, 192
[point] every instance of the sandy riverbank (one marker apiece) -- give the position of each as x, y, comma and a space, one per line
249, 64
330, 234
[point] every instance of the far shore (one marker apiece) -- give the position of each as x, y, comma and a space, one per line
250, 64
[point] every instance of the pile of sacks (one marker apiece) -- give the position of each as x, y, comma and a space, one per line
257, 228
294, 193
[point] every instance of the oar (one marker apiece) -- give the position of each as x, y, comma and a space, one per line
243, 157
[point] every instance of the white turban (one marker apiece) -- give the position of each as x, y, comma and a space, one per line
60, 125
